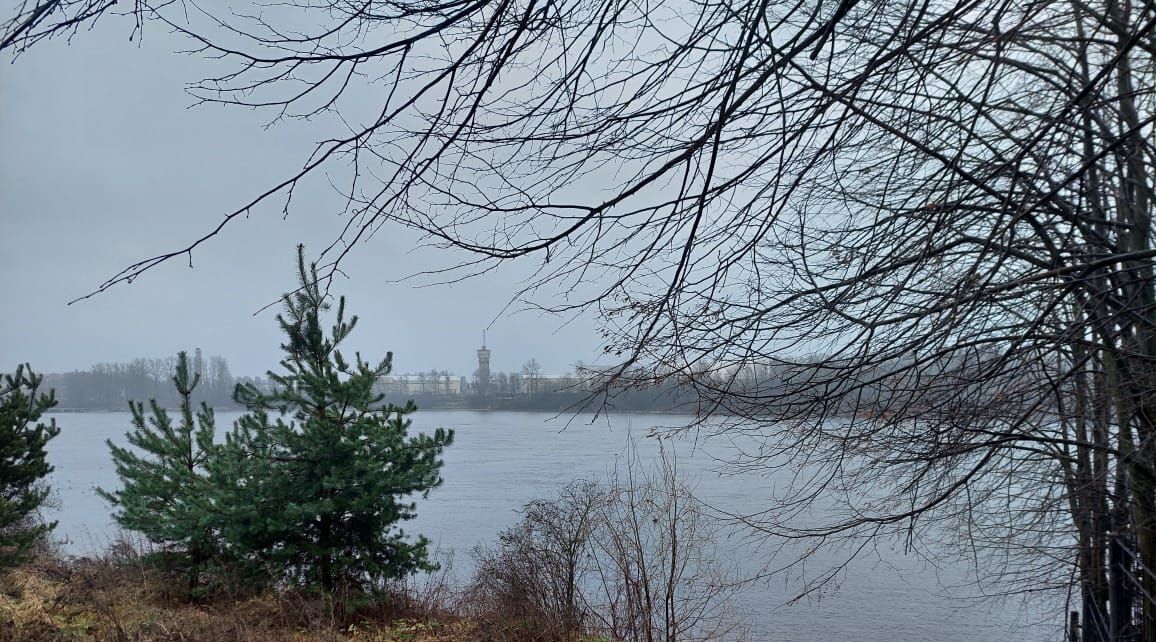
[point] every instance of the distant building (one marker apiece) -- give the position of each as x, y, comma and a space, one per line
549, 384
432, 383
483, 374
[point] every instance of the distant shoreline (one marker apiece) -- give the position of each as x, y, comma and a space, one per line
77, 411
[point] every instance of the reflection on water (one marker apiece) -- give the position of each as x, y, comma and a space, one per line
499, 461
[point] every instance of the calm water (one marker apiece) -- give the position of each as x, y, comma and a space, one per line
499, 461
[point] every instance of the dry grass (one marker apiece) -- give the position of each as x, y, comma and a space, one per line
51, 600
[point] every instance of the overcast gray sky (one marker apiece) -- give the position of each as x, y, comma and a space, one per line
103, 163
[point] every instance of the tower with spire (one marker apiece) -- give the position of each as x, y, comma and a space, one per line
483, 374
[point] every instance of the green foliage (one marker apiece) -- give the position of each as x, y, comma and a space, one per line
166, 493
318, 475
23, 465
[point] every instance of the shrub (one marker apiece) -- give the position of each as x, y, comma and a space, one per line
165, 493
317, 477
23, 463
630, 559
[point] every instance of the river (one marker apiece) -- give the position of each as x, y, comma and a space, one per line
500, 460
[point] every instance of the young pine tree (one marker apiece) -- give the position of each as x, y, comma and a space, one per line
320, 473
22, 462
165, 491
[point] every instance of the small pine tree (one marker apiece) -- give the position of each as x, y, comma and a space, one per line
165, 491
23, 463
319, 490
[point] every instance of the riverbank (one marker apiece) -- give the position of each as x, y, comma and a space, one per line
119, 599
53, 600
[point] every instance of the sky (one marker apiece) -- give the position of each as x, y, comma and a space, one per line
103, 162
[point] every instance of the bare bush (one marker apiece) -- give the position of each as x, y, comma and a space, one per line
659, 571
539, 566
630, 558
430, 595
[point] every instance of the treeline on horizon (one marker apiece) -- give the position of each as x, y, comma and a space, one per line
110, 386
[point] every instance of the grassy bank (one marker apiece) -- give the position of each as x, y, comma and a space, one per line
51, 600
124, 600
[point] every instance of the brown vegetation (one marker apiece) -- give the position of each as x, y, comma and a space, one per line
631, 558
127, 596
125, 600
